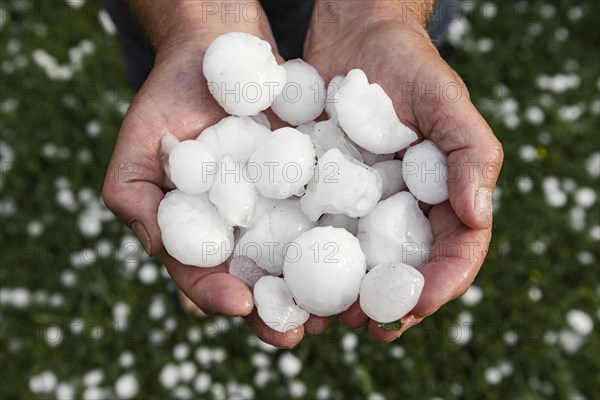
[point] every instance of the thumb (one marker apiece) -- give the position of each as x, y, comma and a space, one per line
132, 192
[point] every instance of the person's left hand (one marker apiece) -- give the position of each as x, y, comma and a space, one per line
431, 99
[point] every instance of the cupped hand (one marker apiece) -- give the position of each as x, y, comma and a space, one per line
175, 99
430, 98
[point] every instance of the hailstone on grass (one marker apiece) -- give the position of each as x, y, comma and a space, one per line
284, 164
425, 171
323, 270
396, 230
277, 223
275, 305
341, 185
367, 115
192, 230
192, 166
242, 73
303, 95
389, 291
232, 194
391, 177
237, 137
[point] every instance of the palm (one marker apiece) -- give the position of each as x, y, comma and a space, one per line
404, 62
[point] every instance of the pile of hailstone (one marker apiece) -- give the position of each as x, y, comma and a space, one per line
309, 217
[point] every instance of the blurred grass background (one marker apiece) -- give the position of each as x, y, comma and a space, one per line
85, 314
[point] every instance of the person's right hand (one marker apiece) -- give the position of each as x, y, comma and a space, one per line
175, 99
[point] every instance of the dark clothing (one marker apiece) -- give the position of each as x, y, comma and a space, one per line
289, 21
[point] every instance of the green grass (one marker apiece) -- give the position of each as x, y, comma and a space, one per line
41, 117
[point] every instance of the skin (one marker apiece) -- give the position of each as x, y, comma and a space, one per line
386, 40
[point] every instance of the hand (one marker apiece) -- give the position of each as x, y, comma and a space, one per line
396, 52
175, 100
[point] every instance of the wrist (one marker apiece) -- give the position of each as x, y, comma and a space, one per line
330, 17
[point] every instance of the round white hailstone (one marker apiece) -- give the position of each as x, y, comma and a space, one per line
187, 371
242, 73
20, 297
181, 351
193, 231
202, 382
260, 360
246, 270
53, 335
342, 185
326, 135
296, 389
323, 270
391, 177
120, 313
396, 231
218, 355
237, 137
232, 194
425, 171
289, 365
262, 377
553, 194
472, 296
126, 359
203, 356
367, 115
283, 165
371, 159
493, 376
261, 118
580, 322
275, 305
332, 89
527, 153
68, 278
148, 273
349, 342
64, 391
192, 166
127, 386
585, 197
93, 377
303, 96
276, 225
389, 291
340, 221
169, 376
592, 164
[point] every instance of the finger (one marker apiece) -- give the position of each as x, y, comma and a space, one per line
213, 290
316, 325
354, 317
475, 156
189, 306
286, 339
456, 258
385, 335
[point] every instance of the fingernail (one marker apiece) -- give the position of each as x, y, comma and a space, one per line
140, 231
483, 205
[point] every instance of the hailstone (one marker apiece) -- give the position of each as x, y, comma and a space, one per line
192, 166
341, 185
425, 170
276, 224
246, 270
283, 165
192, 230
232, 194
332, 89
237, 137
326, 135
367, 115
276, 306
323, 270
340, 221
396, 231
303, 95
389, 291
391, 176
242, 73
167, 144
